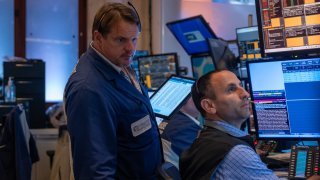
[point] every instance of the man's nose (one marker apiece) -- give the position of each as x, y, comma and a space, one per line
130, 46
244, 94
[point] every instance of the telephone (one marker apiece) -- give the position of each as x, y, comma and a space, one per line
304, 161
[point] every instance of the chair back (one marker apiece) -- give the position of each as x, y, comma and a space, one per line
169, 172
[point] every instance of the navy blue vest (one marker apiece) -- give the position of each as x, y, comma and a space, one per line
207, 151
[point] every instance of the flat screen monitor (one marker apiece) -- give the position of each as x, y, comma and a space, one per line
134, 64
286, 98
171, 96
233, 46
289, 28
223, 57
192, 33
248, 42
201, 65
156, 69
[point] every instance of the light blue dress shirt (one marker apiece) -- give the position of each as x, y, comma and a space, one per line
242, 162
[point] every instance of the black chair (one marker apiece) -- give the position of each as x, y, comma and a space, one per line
169, 172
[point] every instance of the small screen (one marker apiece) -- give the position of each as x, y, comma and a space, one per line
171, 96
156, 69
192, 33
289, 27
248, 41
201, 65
286, 98
134, 63
301, 164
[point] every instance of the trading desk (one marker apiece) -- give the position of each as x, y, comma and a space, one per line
301, 162
279, 163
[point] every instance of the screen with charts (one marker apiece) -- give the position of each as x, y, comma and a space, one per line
134, 64
156, 69
286, 98
248, 42
289, 26
171, 95
192, 33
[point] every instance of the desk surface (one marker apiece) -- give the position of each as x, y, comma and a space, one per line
280, 156
285, 157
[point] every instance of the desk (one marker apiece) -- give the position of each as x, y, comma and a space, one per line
280, 156
285, 157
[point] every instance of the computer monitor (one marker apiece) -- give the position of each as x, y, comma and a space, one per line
248, 42
156, 69
234, 47
192, 33
289, 28
201, 65
172, 94
134, 64
286, 98
222, 56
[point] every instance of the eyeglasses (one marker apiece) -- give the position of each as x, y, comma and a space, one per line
104, 14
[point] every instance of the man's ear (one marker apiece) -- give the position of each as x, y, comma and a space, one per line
97, 36
208, 105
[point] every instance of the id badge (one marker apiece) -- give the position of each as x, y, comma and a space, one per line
141, 126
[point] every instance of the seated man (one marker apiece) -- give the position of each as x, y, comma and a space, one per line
178, 133
222, 150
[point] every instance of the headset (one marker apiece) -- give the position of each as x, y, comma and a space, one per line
139, 21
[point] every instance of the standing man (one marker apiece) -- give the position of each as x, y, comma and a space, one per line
222, 151
111, 123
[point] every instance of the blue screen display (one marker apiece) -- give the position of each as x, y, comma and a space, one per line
170, 96
301, 164
201, 65
192, 33
286, 97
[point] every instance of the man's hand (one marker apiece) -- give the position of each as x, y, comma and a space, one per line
314, 177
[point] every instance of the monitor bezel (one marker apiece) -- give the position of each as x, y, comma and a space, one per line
205, 23
156, 55
303, 53
177, 108
201, 56
254, 113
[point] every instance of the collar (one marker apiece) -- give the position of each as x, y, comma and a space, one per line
117, 68
225, 127
191, 117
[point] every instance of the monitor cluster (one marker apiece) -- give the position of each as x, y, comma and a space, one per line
289, 27
284, 82
281, 58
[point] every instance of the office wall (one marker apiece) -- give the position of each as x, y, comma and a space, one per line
6, 30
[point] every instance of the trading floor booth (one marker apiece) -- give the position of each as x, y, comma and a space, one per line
285, 81
280, 63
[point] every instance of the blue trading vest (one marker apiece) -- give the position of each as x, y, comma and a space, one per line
205, 154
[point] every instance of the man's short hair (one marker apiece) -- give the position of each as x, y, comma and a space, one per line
111, 13
203, 89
